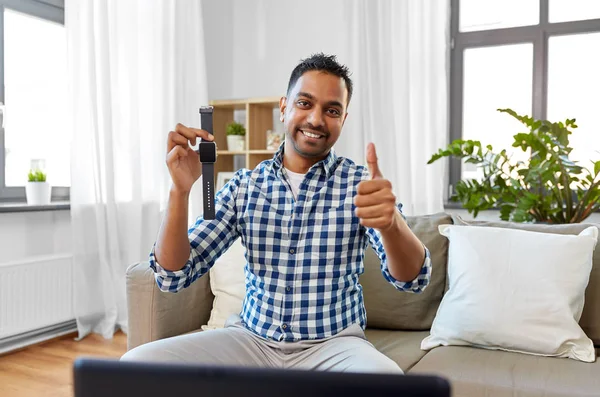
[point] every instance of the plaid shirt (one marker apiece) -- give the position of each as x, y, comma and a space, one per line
304, 257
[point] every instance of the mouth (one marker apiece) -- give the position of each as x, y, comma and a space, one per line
312, 135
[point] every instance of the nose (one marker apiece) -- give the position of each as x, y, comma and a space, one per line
315, 117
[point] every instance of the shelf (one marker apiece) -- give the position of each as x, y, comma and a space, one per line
235, 152
262, 151
261, 115
229, 152
241, 103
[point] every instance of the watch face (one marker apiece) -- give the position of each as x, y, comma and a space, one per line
207, 152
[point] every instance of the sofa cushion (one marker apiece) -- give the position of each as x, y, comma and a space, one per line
515, 290
590, 318
228, 285
478, 372
388, 308
401, 346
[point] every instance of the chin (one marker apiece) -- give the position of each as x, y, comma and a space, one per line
311, 151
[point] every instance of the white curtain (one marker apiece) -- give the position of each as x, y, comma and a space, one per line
136, 68
399, 59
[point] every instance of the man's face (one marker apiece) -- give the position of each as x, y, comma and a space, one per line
314, 113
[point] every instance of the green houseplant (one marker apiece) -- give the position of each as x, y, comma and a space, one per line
548, 188
36, 176
37, 190
236, 133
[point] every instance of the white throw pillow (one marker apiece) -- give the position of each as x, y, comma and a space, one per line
228, 285
515, 290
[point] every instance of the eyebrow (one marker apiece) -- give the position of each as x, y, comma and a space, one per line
310, 96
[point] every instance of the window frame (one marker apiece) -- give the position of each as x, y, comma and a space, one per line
51, 10
538, 35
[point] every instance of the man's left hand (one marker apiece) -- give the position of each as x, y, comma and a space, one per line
375, 202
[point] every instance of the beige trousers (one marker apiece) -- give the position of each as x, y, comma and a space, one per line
234, 345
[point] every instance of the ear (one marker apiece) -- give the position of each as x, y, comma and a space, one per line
282, 107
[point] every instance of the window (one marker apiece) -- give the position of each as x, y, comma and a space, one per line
538, 57
573, 87
33, 70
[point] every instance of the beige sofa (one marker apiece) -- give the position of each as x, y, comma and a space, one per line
398, 322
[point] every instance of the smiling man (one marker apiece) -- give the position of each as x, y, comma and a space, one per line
306, 218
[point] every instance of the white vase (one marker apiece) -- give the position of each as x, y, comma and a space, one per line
38, 193
236, 143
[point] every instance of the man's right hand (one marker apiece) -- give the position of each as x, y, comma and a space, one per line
183, 162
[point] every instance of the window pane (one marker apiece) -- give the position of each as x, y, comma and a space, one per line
486, 14
495, 78
35, 60
573, 10
573, 86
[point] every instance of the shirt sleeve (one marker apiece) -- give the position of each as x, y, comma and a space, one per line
209, 239
419, 283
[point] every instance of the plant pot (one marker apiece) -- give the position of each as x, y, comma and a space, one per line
236, 143
38, 193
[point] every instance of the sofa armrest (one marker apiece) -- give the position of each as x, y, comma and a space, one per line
154, 314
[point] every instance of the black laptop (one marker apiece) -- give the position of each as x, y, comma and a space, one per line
103, 377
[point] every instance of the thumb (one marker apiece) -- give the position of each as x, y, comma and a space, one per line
372, 164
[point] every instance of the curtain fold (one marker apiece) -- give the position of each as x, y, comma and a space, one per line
136, 68
399, 56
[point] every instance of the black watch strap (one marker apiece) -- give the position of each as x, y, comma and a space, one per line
208, 152
206, 118
208, 187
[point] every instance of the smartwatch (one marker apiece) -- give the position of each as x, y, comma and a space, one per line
208, 156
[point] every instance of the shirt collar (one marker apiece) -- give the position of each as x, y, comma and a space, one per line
328, 163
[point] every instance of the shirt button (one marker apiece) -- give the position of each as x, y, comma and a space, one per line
284, 326
292, 251
288, 289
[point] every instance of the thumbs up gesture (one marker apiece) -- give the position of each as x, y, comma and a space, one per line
375, 202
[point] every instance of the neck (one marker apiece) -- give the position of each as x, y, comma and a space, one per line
297, 163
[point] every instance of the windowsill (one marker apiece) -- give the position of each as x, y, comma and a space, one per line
24, 207
454, 205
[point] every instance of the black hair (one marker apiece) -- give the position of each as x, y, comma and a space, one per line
324, 63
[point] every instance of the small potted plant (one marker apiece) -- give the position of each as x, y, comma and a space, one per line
37, 189
236, 136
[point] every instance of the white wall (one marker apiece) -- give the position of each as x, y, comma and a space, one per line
28, 234
252, 46
218, 39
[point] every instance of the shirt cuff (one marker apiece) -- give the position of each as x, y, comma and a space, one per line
420, 282
164, 276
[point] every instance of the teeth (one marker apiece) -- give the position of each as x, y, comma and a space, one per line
308, 134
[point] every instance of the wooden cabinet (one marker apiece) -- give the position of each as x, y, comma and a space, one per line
259, 118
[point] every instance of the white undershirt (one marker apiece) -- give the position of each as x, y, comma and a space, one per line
295, 181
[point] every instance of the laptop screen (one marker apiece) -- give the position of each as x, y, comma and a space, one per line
103, 377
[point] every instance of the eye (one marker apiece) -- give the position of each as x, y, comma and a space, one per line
333, 112
303, 103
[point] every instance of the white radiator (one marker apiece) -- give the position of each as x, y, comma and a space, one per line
35, 293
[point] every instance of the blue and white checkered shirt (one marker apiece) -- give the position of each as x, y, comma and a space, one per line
304, 257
